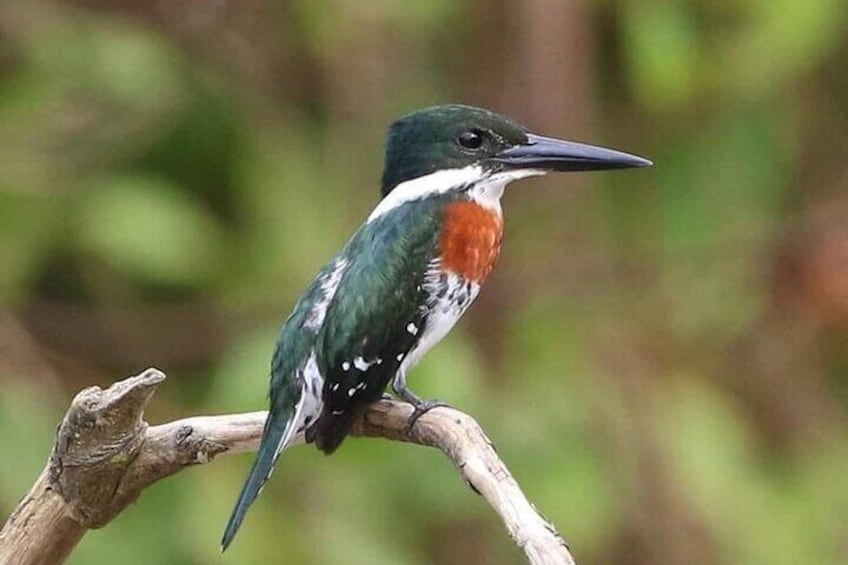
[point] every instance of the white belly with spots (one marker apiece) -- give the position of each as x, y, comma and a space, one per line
450, 297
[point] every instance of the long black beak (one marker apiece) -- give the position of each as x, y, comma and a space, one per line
548, 154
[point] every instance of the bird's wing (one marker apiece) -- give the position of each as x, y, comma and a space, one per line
374, 319
292, 399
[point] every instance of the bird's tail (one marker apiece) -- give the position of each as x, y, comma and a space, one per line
279, 431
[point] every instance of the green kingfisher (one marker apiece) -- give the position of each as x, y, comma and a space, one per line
405, 276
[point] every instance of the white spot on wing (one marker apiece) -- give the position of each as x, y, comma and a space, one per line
412, 328
329, 285
361, 364
345, 366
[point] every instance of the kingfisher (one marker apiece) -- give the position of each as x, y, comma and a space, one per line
405, 277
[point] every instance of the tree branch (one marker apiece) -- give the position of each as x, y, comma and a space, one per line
105, 455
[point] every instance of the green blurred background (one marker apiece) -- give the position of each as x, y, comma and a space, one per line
660, 357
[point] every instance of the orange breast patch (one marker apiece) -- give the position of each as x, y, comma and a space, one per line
471, 240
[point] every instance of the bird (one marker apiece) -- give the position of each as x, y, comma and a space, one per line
405, 277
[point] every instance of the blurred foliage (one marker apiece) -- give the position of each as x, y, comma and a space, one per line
660, 359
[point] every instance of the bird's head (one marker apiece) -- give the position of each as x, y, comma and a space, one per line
457, 137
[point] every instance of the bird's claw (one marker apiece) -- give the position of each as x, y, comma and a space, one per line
422, 408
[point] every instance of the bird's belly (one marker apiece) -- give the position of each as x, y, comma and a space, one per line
450, 296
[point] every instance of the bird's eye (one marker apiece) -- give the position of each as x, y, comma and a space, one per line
470, 139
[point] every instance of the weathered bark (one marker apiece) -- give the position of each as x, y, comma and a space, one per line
105, 455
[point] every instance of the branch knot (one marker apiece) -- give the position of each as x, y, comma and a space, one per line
101, 434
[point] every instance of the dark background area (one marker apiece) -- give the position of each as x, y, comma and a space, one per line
660, 356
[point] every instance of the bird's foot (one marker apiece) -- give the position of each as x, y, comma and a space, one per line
421, 408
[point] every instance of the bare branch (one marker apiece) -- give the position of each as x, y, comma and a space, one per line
105, 455
460, 437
